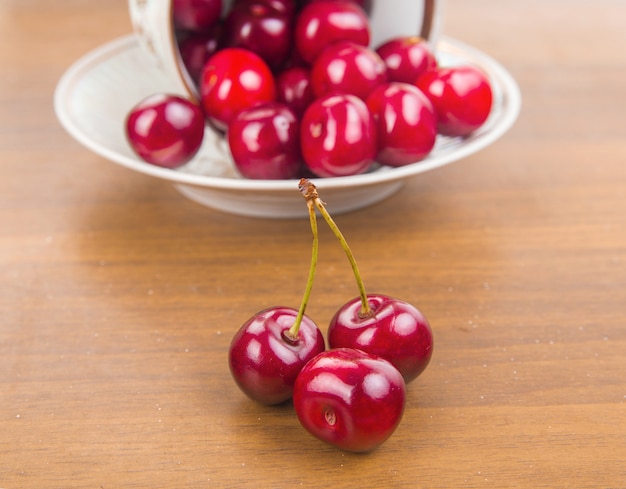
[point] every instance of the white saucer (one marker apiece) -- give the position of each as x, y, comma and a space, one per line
94, 95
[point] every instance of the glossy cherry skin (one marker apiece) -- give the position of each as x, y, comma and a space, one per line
462, 97
294, 88
260, 29
350, 399
337, 136
165, 130
265, 142
397, 331
263, 363
406, 58
196, 15
232, 80
322, 23
347, 67
196, 49
405, 121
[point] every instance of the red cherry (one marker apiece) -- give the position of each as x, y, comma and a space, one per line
232, 80
165, 130
350, 399
462, 97
395, 330
406, 123
196, 49
264, 142
263, 362
260, 29
337, 136
196, 15
406, 58
346, 67
294, 88
322, 23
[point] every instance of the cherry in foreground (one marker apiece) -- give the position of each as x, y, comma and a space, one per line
350, 399
271, 348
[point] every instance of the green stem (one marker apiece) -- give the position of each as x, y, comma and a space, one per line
292, 334
366, 310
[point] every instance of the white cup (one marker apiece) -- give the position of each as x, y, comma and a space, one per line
153, 26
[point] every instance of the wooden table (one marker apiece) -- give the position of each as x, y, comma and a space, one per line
119, 297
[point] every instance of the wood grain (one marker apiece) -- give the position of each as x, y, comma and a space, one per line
118, 297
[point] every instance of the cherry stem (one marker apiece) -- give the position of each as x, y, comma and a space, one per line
312, 195
292, 334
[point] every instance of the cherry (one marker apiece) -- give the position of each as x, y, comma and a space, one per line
260, 29
196, 49
270, 349
337, 136
347, 67
294, 88
196, 15
165, 130
324, 22
462, 97
263, 362
405, 121
378, 324
234, 79
350, 399
264, 142
392, 329
406, 58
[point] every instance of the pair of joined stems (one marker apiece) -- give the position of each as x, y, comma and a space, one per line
313, 201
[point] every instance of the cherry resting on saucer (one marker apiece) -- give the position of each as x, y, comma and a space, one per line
462, 97
264, 142
405, 121
350, 399
165, 130
337, 136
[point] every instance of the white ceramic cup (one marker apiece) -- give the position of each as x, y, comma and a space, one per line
153, 25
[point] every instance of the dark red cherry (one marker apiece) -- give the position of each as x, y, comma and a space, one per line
196, 49
165, 130
350, 399
232, 80
406, 123
406, 58
196, 15
462, 97
338, 136
294, 88
265, 364
346, 67
265, 142
395, 330
325, 22
260, 29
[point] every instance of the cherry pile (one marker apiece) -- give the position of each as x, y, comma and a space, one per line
297, 90
351, 395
